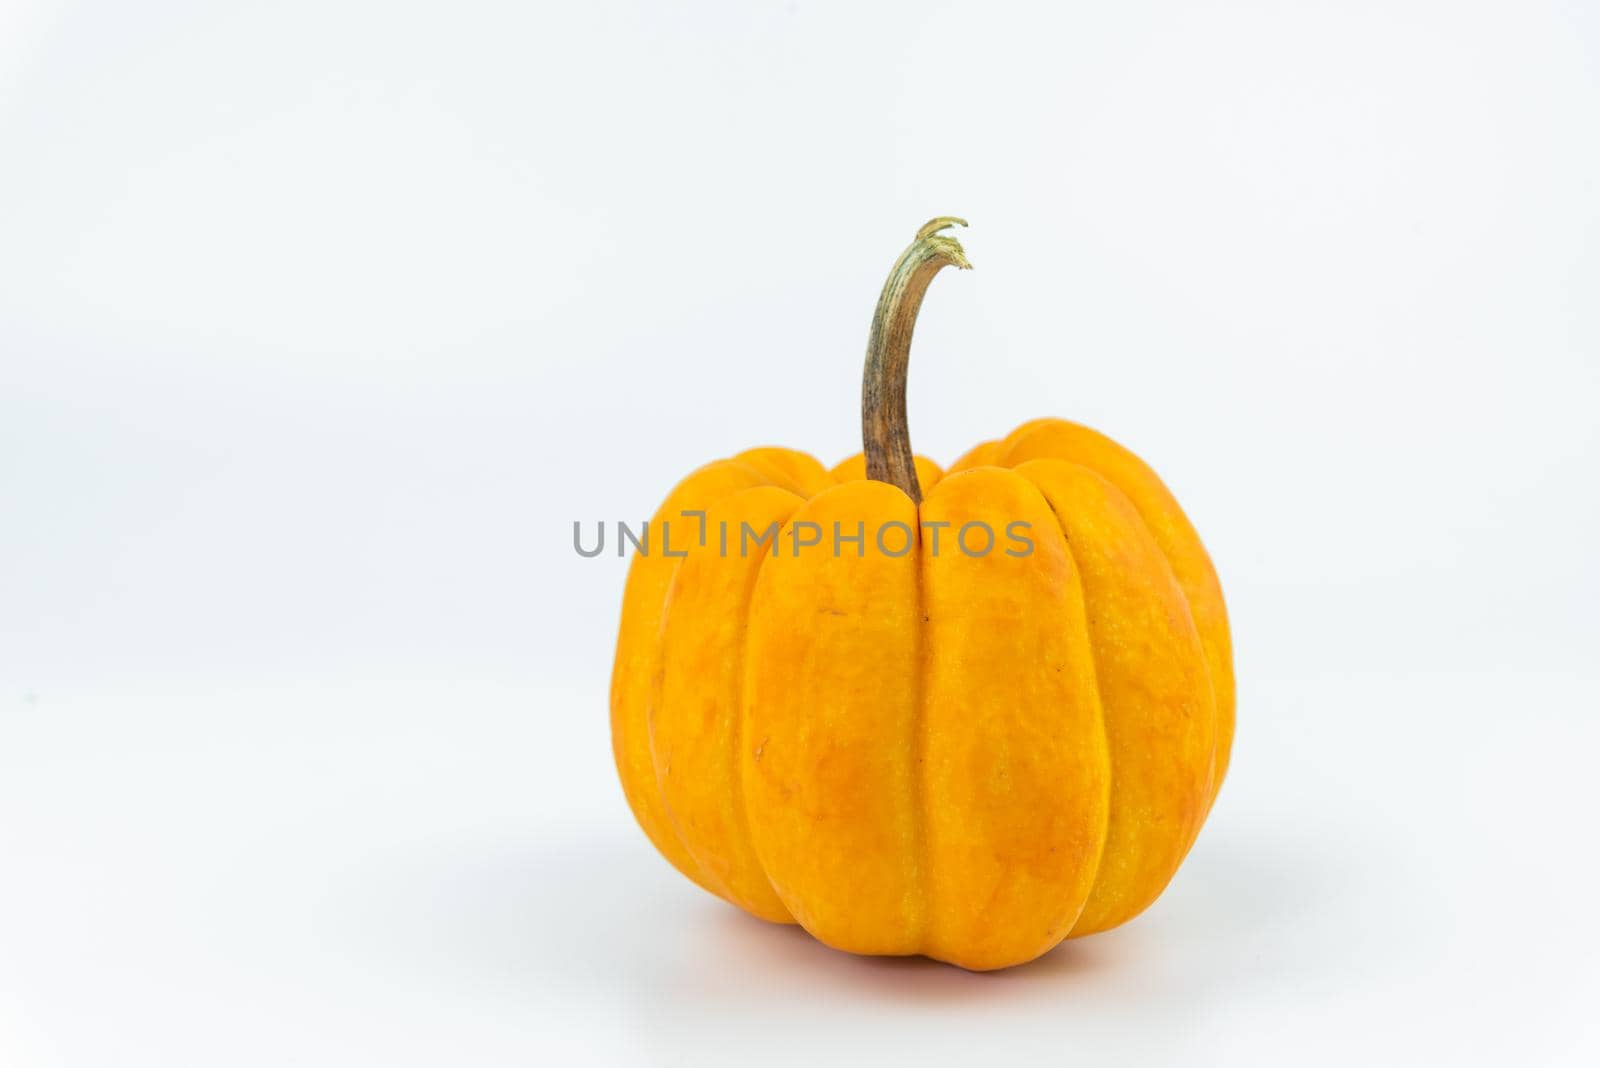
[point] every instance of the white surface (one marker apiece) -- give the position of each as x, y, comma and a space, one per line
321, 323
436, 875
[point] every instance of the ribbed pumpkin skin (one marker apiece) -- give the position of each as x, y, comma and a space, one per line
967, 757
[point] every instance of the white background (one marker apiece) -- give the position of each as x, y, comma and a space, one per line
321, 322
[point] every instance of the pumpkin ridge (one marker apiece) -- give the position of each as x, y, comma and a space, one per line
1213, 782
1218, 642
923, 877
790, 469
682, 858
627, 720
1142, 842
725, 856
827, 761
1183, 594
1016, 768
707, 880
1105, 738
741, 804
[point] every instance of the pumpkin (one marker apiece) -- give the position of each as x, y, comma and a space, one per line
965, 755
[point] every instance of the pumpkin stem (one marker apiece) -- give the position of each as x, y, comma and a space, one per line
885, 435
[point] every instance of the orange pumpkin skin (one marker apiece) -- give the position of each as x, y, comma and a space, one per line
969, 757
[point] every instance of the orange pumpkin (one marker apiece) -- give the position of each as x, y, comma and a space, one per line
968, 755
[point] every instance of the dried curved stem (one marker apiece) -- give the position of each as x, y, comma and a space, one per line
885, 435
